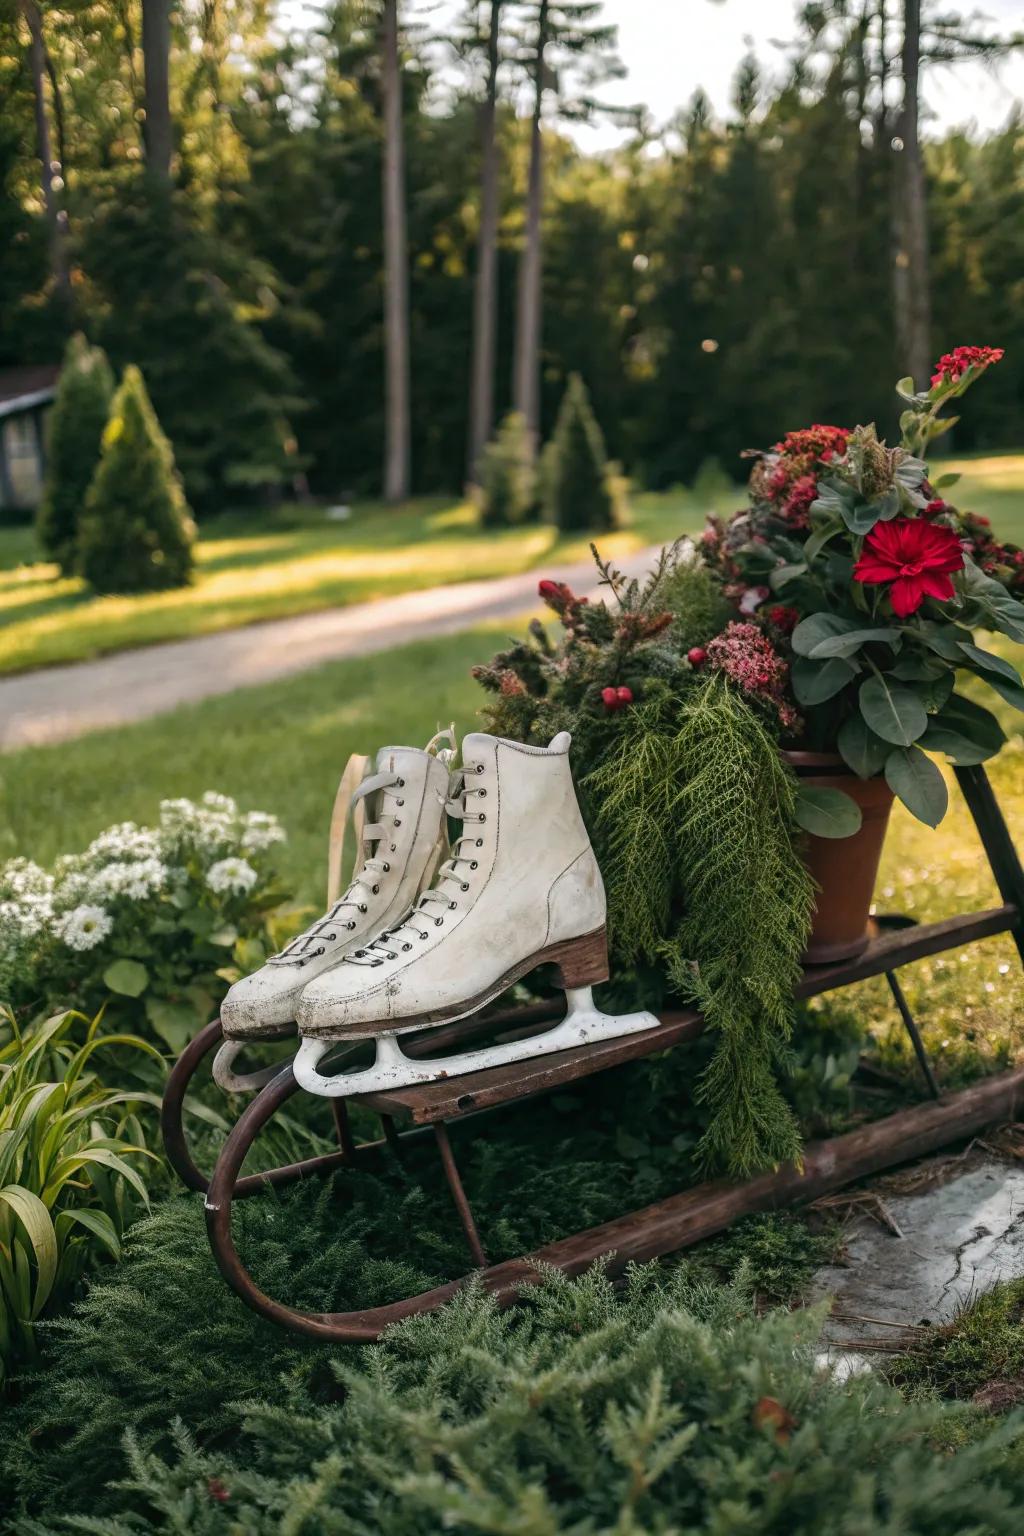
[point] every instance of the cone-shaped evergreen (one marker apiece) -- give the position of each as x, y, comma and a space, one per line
76, 427
137, 532
576, 482
507, 476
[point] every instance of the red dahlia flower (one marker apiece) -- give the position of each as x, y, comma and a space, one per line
952, 366
916, 557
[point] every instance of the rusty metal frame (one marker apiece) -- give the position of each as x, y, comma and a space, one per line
661, 1228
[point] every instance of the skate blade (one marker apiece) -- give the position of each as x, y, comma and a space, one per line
584, 1024
225, 1076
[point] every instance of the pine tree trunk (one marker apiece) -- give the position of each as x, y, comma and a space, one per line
55, 226
526, 384
485, 297
156, 54
911, 280
396, 270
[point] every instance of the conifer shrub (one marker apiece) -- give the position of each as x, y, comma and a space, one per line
667, 1406
79, 415
577, 485
508, 480
137, 532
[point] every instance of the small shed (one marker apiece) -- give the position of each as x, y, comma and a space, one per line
26, 395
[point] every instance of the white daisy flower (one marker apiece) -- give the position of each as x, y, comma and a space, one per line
84, 927
136, 880
261, 830
234, 875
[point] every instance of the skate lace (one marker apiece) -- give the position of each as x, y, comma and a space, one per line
449, 883
364, 884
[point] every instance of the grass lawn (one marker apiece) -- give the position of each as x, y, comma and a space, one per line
281, 747
267, 565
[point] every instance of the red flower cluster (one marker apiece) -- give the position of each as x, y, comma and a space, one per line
952, 366
783, 618
914, 558
744, 653
817, 442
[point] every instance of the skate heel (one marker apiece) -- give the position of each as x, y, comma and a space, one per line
580, 962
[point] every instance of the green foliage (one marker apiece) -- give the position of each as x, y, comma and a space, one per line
151, 922
776, 1254
77, 420
695, 819
979, 1354
136, 533
576, 478
669, 1406
507, 493
69, 1180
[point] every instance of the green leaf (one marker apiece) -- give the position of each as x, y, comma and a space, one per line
944, 639
827, 812
175, 1023
863, 515
783, 574
820, 626
892, 711
913, 776
127, 978
912, 667
38, 1225
944, 482
959, 749
905, 389
820, 537
815, 681
852, 640
990, 663
861, 749
1013, 693
973, 721
96, 1222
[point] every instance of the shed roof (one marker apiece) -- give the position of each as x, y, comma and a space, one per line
23, 388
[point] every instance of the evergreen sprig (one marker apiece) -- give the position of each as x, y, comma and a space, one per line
696, 830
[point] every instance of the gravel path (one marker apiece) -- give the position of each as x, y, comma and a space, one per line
59, 703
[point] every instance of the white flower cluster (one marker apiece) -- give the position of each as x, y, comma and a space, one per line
208, 844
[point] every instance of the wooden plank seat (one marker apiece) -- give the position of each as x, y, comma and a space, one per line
453, 1097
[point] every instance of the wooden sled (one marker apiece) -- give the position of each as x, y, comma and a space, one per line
426, 1110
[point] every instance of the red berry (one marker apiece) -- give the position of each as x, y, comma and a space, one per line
624, 695
697, 656
611, 699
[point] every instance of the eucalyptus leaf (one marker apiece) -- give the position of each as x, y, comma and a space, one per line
990, 663
818, 627
862, 516
959, 749
944, 482
820, 537
783, 574
912, 667
973, 721
944, 639
1013, 693
861, 749
912, 775
815, 681
827, 812
892, 710
847, 644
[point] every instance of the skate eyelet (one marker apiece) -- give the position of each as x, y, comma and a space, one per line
479, 768
387, 869
399, 802
398, 822
330, 937
401, 783
479, 842
438, 921
406, 947
465, 885
482, 793
375, 889
452, 906
393, 848
473, 864
363, 907
481, 817
350, 925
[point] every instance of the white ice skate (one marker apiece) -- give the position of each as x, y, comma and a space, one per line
521, 889
398, 810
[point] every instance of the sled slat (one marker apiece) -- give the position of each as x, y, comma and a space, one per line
450, 1098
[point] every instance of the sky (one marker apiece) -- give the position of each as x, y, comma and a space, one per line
671, 47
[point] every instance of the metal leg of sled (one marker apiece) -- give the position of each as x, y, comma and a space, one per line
462, 1204
910, 1024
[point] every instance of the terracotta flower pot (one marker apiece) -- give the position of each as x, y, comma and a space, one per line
844, 868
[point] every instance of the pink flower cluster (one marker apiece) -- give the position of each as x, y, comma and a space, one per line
744, 653
952, 366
